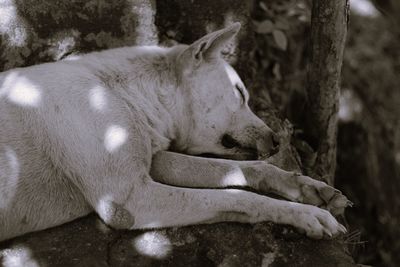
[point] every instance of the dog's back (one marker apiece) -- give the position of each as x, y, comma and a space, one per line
42, 109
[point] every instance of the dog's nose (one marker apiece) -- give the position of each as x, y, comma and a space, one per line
228, 141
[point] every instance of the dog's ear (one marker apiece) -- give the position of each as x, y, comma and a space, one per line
210, 46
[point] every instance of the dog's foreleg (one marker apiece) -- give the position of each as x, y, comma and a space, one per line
155, 205
189, 171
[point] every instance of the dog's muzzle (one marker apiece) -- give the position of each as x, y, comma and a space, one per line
265, 146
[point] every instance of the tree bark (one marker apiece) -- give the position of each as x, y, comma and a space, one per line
328, 35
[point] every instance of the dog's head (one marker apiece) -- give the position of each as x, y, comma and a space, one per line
221, 122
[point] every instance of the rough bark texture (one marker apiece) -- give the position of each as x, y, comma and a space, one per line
48, 30
328, 35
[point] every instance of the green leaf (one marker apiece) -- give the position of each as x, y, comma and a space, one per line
280, 39
264, 27
282, 25
276, 70
263, 6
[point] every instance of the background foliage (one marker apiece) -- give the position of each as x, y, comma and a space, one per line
369, 129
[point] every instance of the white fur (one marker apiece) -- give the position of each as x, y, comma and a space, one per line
80, 135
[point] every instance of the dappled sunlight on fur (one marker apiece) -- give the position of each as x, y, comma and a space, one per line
114, 137
234, 178
9, 175
98, 98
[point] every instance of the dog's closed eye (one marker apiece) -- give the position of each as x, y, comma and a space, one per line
239, 89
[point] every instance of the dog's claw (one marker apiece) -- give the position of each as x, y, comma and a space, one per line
342, 229
328, 233
350, 204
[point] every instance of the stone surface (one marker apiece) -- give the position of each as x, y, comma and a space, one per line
89, 242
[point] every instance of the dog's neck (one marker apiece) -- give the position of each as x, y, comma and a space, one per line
152, 78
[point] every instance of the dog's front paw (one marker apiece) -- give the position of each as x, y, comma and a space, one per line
317, 223
320, 194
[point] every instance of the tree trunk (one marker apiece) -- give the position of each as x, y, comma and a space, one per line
328, 35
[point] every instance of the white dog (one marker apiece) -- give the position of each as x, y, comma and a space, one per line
93, 134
